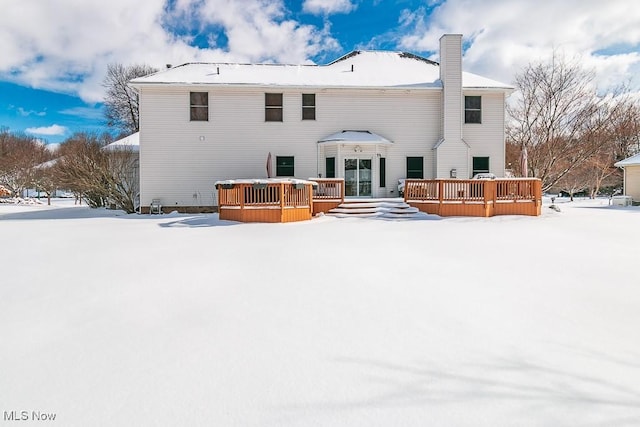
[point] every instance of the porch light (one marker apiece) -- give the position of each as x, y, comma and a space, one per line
453, 173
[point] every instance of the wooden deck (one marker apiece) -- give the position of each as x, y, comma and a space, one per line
479, 197
288, 201
265, 202
328, 194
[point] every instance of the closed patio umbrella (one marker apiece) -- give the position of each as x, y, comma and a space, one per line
524, 160
269, 167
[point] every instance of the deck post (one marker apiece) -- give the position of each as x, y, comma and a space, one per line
281, 201
537, 191
440, 195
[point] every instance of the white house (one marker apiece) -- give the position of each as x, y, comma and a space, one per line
371, 117
631, 168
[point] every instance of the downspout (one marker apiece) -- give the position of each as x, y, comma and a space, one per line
340, 172
375, 167
318, 159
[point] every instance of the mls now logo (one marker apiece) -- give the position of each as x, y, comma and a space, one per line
28, 415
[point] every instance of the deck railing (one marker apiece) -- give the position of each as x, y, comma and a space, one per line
298, 195
519, 189
328, 189
475, 197
265, 202
328, 194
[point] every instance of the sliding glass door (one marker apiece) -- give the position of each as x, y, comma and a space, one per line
357, 177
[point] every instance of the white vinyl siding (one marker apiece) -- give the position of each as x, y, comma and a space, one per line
180, 160
487, 139
632, 182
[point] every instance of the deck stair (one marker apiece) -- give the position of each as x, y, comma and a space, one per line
382, 208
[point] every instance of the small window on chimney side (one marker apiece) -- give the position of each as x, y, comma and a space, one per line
473, 109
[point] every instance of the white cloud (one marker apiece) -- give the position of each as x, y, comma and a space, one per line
27, 113
257, 30
327, 7
505, 35
66, 45
84, 112
48, 130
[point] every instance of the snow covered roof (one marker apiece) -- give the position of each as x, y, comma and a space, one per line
355, 137
48, 164
360, 68
630, 161
131, 142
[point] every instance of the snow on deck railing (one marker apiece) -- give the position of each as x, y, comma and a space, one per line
328, 189
489, 190
265, 192
496, 196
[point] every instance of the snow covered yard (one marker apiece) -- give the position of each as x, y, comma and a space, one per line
111, 319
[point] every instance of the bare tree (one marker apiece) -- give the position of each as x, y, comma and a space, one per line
560, 118
601, 171
19, 154
123, 178
512, 157
625, 129
80, 167
121, 102
576, 180
619, 140
101, 176
45, 179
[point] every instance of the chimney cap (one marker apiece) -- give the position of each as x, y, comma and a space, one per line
451, 35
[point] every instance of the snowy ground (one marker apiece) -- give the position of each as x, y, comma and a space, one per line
109, 319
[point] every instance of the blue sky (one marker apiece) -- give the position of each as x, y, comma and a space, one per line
55, 53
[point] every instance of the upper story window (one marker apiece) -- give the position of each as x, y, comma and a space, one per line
273, 107
308, 106
199, 106
473, 109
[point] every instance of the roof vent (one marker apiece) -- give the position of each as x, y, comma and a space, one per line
168, 66
352, 68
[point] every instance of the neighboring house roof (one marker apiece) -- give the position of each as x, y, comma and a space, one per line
131, 142
359, 69
355, 137
48, 164
630, 161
